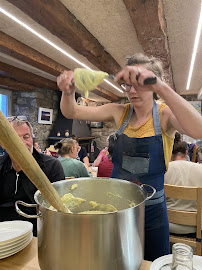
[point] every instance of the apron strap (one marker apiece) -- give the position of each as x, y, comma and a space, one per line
125, 123
156, 121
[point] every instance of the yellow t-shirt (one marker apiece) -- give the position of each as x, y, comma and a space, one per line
147, 130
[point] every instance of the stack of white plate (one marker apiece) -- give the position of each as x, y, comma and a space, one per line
14, 236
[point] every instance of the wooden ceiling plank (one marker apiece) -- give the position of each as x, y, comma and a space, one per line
13, 84
24, 53
27, 77
53, 15
149, 22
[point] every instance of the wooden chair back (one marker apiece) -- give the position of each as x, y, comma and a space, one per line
194, 156
69, 177
185, 217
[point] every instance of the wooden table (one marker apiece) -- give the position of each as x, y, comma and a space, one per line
27, 259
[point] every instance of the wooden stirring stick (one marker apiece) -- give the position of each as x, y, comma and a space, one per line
18, 152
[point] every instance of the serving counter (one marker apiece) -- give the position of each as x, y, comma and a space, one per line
27, 259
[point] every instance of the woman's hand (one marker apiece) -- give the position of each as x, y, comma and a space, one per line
66, 82
104, 151
136, 76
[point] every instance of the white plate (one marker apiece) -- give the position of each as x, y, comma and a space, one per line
158, 263
15, 240
17, 247
10, 230
15, 244
15, 250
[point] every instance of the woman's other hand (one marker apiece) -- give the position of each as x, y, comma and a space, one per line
136, 75
66, 82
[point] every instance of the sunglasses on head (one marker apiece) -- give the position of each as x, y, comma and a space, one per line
20, 118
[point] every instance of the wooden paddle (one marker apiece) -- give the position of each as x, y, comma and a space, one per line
18, 152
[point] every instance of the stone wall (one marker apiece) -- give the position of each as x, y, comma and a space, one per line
27, 103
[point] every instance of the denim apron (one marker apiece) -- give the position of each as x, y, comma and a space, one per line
142, 160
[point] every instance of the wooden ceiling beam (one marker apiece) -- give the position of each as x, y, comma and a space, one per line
19, 79
26, 77
24, 53
105, 94
53, 15
149, 22
14, 85
20, 51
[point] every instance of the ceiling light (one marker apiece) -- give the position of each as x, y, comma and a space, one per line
51, 43
198, 32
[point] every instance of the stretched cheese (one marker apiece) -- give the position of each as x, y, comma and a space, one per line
87, 80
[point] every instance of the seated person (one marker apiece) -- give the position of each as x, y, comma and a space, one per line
67, 149
182, 173
14, 184
104, 159
37, 147
180, 151
36, 144
82, 153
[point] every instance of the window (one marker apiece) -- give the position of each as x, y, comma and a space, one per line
5, 102
5, 107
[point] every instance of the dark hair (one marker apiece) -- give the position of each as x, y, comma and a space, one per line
178, 137
64, 146
74, 137
111, 145
179, 148
152, 64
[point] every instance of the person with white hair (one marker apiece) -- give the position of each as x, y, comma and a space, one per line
14, 184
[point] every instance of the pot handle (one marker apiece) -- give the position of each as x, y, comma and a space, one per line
27, 205
154, 191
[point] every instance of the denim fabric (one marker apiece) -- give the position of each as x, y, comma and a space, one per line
135, 165
142, 159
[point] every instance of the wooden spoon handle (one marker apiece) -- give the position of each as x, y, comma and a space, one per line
18, 152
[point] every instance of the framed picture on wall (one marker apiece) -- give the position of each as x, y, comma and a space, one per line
45, 116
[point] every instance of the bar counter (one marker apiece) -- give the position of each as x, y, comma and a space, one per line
27, 259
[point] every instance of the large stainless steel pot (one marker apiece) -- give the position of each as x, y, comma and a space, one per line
109, 241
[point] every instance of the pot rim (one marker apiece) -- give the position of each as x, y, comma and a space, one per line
139, 185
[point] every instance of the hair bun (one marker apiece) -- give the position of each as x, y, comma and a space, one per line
58, 145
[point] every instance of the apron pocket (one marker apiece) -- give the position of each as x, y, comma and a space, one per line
135, 165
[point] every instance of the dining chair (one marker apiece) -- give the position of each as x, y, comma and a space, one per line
185, 217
